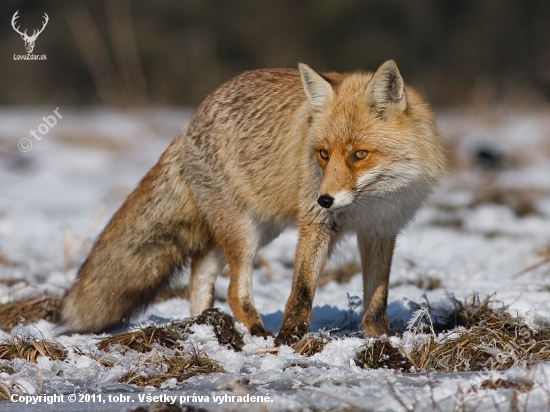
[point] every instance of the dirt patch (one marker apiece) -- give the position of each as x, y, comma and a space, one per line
223, 325
381, 354
169, 335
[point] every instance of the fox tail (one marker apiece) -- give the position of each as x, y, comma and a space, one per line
157, 230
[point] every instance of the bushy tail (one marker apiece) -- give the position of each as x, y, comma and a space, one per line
154, 232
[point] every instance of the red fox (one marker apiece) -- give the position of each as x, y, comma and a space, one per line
330, 153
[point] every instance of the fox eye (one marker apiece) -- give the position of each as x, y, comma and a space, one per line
360, 154
323, 154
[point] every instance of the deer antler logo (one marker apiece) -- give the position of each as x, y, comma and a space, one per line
29, 40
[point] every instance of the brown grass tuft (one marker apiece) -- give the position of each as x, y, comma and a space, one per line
521, 201
494, 340
427, 283
310, 345
382, 354
4, 393
156, 368
421, 282
36, 307
30, 349
5, 388
143, 339
475, 311
341, 274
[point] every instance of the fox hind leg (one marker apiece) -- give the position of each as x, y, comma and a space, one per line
204, 270
240, 241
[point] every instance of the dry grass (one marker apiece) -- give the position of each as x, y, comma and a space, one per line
30, 349
310, 345
6, 262
544, 254
494, 340
36, 307
7, 369
341, 274
421, 282
5, 389
381, 354
9, 282
144, 339
169, 334
156, 368
103, 359
427, 283
521, 386
4, 392
522, 201
473, 312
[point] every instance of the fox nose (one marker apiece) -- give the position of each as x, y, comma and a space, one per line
325, 201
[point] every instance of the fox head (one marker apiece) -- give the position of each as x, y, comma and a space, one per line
368, 133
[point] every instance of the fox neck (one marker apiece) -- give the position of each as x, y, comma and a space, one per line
381, 213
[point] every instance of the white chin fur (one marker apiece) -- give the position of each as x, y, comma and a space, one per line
342, 199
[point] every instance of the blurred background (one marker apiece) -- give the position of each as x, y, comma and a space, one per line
130, 53
126, 76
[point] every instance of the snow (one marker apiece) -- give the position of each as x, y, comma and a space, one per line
55, 199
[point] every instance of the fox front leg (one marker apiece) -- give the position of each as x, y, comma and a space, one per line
376, 259
311, 255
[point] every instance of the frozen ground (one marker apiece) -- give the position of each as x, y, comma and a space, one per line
488, 222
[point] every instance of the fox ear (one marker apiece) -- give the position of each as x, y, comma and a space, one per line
317, 87
386, 90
